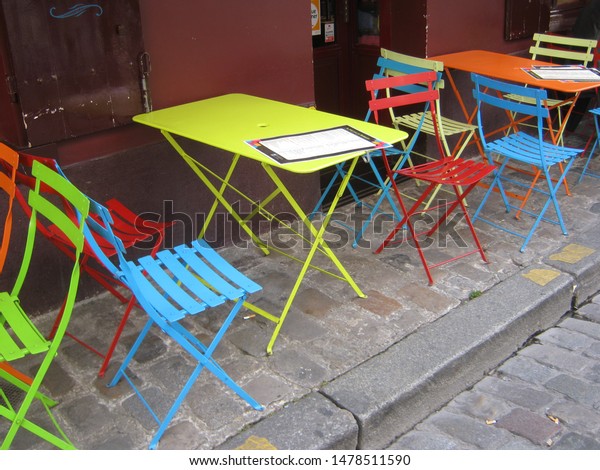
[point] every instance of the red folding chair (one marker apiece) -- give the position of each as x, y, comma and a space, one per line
456, 173
133, 231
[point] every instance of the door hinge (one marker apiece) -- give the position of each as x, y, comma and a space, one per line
145, 68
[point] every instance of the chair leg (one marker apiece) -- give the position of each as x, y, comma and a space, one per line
141, 336
339, 174
383, 194
18, 417
203, 357
593, 149
117, 336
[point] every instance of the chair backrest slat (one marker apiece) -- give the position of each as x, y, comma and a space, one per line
495, 93
490, 91
567, 49
391, 101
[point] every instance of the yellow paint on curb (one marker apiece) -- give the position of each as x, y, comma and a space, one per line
256, 443
542, 276
572, 253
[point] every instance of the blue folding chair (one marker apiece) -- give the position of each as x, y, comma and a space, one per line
171, 286
584, 171
520, 147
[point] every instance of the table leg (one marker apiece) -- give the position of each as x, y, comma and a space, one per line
318, 242
200, 171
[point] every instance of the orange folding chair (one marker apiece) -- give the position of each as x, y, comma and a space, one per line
9, 160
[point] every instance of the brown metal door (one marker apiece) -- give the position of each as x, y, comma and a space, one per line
74, 65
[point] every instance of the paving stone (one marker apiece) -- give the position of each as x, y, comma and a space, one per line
527, 369
252, 338
576, 416
558, 357
152, 347
378, 303
482, 406
114, 441
568, 339
428, 440
88, 415
223, 407
157, 399
591, 311
516, 392
182, 436
469, 430
268, 389
519, 443
315, 303
299, 368
538, 429
172, 372
574, 441
299, 326
425, 297
588, 328
577, 389
58, 381
593, 351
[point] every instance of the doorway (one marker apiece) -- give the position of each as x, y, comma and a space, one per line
345, 52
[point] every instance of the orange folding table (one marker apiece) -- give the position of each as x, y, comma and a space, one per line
513, 69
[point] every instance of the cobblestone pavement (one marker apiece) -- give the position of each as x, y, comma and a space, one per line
356, 373
546, 396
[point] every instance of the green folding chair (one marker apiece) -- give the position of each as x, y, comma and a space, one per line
19, 337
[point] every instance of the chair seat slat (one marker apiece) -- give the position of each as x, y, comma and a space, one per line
181, 271
170, 287
227, 269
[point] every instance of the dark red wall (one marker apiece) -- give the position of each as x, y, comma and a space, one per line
202, 49
208, 48
460, 25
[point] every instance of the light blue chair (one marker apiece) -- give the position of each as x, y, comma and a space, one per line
520, 147
172, 287
584, 171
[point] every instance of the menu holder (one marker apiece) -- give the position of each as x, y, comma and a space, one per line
571, 73
316, 144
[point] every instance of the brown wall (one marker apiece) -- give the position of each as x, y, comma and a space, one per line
468, 24
208, 48
202, 49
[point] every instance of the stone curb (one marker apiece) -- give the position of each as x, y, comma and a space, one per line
373, 404
392, 392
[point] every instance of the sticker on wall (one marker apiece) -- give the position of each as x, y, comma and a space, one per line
315, 17
77, 10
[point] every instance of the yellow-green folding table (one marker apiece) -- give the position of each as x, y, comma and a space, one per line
276, 135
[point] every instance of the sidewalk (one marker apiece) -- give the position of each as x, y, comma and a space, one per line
351, 373
547, 396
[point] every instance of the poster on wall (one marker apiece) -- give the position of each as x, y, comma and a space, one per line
315, 17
